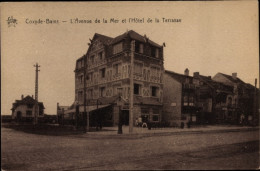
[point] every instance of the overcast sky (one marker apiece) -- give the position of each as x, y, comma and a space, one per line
212, 37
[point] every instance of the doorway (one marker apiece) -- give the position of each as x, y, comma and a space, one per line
19, 116
125, 117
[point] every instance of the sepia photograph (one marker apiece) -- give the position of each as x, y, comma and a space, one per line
130, 85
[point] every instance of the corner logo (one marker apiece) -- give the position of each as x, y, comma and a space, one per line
11, 21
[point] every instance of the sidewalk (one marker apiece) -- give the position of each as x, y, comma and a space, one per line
144, 132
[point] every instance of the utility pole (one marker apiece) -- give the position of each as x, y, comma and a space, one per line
84, 114
131, 107
36, 113
255, 110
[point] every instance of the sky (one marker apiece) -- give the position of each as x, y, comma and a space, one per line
212, 37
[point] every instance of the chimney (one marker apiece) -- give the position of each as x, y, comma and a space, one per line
186, 72
195, 74
32, 96
22, 97
234, 75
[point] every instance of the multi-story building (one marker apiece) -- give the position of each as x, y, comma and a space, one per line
24, 109
215, 101
180, 101
105, 70
246, 96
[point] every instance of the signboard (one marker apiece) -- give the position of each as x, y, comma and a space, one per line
173, 104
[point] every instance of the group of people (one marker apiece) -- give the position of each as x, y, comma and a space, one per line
140, 123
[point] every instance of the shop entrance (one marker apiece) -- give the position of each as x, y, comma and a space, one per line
125, 117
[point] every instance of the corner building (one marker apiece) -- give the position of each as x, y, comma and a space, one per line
107, 73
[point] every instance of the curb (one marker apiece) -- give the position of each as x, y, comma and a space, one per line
144, 135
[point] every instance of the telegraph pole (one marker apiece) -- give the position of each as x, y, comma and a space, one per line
36, 113
86, 115
131, 103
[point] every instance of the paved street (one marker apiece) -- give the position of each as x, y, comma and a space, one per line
213, 150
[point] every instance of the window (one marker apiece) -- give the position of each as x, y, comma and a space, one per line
90, 94
157, 53
116, 68
185, 100
100, 55
141, 50
90, 76
29, 106
191, 101
92, 58
137, 89
28, 112
102, 92
118, 48
80, 96
103, 72
139, 47
154, 52
154, 91
155, 118
138, 68
81, 78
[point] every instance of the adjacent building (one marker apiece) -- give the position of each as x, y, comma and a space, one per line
25, 109
204, 100
180, 101
215, 101
104, 72
246, 96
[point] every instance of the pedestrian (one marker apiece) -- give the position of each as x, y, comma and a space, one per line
242, 118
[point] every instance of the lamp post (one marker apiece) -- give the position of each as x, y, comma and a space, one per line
119, 91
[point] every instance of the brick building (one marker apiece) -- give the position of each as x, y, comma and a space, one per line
107, 72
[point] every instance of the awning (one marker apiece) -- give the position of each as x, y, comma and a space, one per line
88, 108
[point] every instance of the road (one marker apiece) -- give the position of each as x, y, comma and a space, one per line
228, 150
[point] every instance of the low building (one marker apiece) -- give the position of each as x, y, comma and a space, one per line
60, 113
25, 109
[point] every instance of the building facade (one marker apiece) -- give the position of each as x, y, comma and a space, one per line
104, 71
180, 101
215, 101
24, 109
246, 96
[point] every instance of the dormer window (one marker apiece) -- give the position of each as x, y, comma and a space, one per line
141, 50
117, 48
154, 52
139, 47
100, 55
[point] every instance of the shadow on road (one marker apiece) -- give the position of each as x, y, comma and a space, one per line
49, 129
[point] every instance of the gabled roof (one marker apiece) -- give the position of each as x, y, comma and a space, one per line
179, 77
134, 35
25, 101
214, 84
237, 81
104, 39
